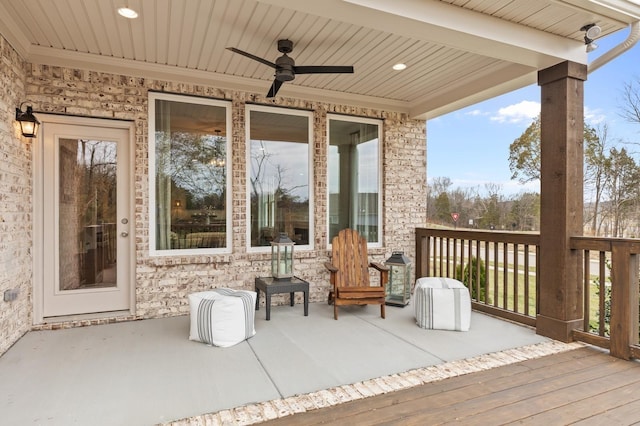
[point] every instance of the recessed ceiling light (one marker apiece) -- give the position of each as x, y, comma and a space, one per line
127, 12
399, 67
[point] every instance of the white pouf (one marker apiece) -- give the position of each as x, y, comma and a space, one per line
442, 303
222, 317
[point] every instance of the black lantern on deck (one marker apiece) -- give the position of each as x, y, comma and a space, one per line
282, 257
398, 290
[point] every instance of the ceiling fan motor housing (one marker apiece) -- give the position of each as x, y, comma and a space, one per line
284, 68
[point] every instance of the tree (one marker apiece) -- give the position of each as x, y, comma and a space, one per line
525, 211
595, 175
440, 184
631, 98
437, 203
524, 154
621, 187
443, 208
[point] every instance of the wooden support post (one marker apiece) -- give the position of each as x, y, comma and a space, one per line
561, 194
623, 330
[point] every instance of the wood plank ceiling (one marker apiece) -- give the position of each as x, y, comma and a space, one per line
445, 66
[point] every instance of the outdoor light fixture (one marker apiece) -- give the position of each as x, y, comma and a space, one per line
282, 257
28, 122
127, 12
591, 32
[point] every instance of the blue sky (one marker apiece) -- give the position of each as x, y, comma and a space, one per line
471, 146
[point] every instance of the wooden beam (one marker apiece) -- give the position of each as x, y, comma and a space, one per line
561, 204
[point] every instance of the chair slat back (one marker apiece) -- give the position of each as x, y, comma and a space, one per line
349, 255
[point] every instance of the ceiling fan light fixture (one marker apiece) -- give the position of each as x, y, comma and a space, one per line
399, 66
127, 12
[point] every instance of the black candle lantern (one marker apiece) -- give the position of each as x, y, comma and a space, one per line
398, 290
282, 257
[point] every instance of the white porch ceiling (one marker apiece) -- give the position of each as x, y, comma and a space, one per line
458, 52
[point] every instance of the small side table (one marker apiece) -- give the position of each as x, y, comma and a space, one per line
272, 286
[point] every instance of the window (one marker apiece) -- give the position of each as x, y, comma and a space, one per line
354, 178
279, 185
189, 160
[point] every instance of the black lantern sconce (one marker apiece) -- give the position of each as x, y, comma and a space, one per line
282, 257
28, 122
398, 291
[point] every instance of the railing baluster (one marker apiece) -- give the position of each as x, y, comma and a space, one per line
448, 256
526, 279
505, 276
478, 282
455, 256
441, 241
462, 246
495, 273
470, 266
587, 290
601, 295
486, 271
516, 273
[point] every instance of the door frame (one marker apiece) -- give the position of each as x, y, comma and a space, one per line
38, 209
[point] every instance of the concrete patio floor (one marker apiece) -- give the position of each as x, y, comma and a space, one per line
148, 372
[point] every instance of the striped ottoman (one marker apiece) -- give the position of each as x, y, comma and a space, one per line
442, 303
222, 317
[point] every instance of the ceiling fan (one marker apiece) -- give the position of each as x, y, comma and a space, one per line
286, 68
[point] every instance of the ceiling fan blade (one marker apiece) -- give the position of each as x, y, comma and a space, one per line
250, 56
274, 88
323, 69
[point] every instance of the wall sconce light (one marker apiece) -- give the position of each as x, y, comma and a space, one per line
28, 122
591, 32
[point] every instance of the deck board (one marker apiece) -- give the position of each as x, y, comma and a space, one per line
583, 385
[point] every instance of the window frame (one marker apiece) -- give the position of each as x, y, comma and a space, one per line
153, 250
363, 120
311, 178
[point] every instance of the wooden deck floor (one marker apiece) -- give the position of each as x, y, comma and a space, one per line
583, 386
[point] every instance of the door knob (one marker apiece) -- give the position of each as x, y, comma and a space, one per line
124, 234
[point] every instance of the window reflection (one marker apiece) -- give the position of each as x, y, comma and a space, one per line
87, 213
190, 176
279, 176
354, 177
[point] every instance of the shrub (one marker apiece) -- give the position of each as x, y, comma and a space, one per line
471, 271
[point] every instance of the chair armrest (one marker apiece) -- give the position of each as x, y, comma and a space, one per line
330, 267
379, 266
384, 272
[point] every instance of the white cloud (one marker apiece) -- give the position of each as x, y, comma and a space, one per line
593, 117
476, 112
522, 112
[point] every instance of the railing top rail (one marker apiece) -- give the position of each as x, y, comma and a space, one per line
603, 244
490, 236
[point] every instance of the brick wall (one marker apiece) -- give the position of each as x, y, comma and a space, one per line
162, 283
15, 203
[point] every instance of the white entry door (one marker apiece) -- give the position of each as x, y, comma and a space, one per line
85, 222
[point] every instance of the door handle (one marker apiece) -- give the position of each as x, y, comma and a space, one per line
124, 234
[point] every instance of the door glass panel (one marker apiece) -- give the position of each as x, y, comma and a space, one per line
87, 214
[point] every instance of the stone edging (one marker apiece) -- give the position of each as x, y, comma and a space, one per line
268, 410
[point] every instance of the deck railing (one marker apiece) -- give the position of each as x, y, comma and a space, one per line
500, 268
610, 289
